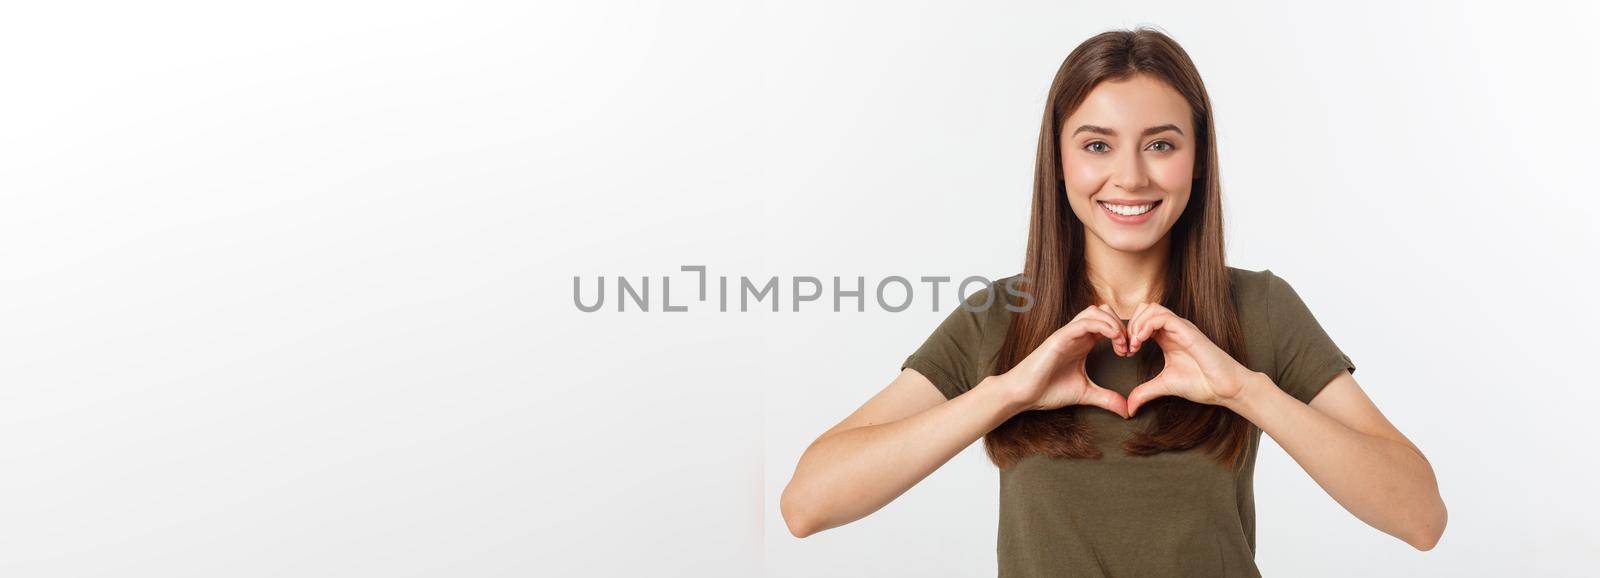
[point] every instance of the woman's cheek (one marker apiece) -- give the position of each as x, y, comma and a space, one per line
1083, 178
1173, 175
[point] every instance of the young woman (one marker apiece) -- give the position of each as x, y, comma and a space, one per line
1125, 406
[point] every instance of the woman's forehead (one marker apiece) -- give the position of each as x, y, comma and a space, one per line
1129, 106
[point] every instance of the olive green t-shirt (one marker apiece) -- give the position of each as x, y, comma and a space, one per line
1171, 514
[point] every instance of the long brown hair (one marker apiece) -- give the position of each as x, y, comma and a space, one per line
1196, 282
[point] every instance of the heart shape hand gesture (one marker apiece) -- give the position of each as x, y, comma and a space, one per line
1196, 369
1054, 375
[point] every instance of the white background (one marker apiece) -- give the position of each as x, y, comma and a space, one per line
286, 289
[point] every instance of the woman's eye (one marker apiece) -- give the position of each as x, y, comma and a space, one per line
1091, 146
1162, 143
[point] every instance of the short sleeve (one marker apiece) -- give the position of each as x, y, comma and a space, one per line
1305, 357
949, 356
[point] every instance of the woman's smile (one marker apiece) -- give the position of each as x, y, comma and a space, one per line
1127, 212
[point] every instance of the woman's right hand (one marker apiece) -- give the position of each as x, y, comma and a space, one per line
1054, 375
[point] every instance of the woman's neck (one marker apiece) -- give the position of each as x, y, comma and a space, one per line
1123, 279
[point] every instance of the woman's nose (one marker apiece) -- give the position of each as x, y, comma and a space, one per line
1131, 175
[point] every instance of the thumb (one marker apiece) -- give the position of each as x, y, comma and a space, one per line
1145, 392
1104, 398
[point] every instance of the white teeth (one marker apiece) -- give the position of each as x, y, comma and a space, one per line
1130, 211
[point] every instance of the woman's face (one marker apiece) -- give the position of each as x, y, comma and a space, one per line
1130, 145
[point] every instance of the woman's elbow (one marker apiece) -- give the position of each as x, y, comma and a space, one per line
1426, 537
795, 514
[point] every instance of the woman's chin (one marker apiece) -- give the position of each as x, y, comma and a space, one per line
1130, 243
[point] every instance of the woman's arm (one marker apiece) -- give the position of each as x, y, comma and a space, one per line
893, 441
1354, 453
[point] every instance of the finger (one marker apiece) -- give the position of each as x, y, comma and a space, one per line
1137, 322
1106, 399
1142, 306
1163, 321
1067, 339
1090, 313
1086, 312
1094, 317
1119, 341
1106, 328
1131, 321
1148, 323
1145, 392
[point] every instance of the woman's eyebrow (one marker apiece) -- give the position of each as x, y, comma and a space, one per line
1147, 132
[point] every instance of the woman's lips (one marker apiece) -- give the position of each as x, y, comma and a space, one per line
1128, 219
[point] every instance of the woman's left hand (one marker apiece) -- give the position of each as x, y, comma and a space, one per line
1196, 369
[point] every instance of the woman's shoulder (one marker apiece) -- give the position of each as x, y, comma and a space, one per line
978, 308
1247, 279
1253, 289
1002, 297
1258, 288
1283, 333
961, 350
993, 307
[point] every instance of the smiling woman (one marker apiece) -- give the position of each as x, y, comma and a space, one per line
1136, 165
1125, 407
